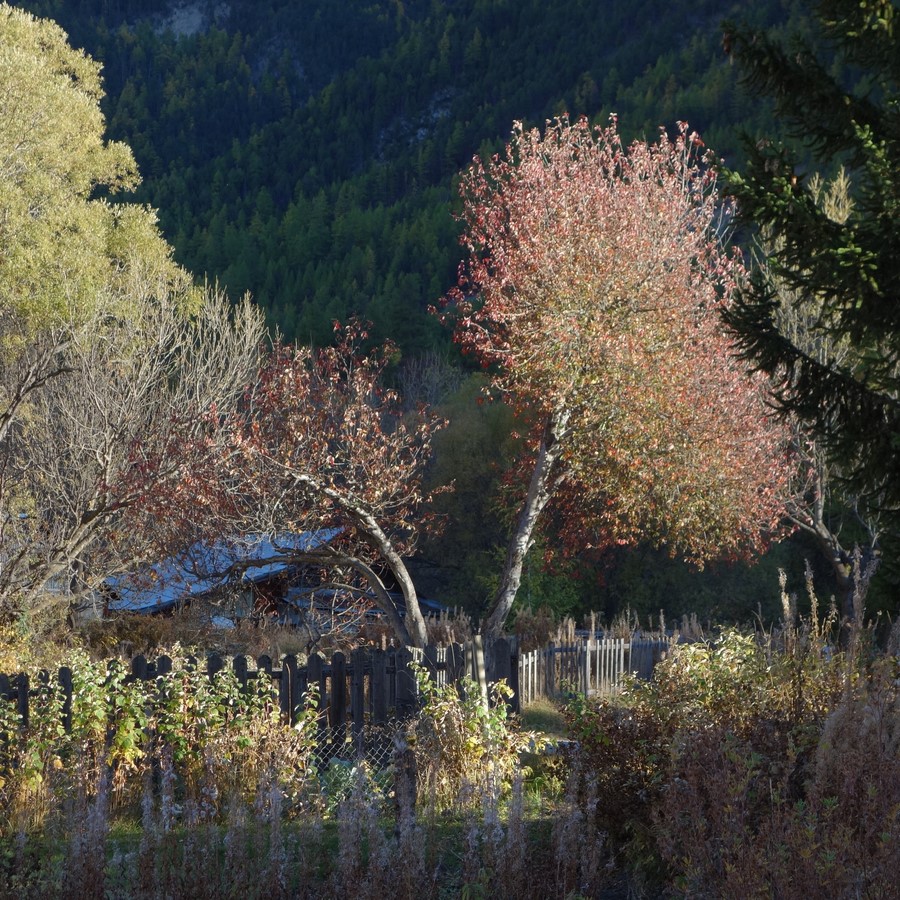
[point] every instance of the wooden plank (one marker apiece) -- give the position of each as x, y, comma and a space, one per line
358, 697
22, 689
480, 673
286, 687
316, 674
550, 670
378, 686
240, 666
455, 661
65, 681
500, 657
392, 677
514, 681
214, 664
585, 656
301, 689
406, 685
430, 661
603, 685
139, 667
337, 712
501, 660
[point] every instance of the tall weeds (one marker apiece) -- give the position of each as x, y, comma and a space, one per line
760, 764
186, 788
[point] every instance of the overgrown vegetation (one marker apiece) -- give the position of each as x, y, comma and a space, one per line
193, 787
754, 765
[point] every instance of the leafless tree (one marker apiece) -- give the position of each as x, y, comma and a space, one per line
94, 399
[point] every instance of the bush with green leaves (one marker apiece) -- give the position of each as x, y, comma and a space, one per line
219, 737
463, 744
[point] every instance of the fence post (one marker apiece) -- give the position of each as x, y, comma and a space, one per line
358, 697
337, 714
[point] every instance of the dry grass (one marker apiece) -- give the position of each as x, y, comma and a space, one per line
494, 848
755, 766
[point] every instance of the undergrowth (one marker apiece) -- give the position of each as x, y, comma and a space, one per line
753, 765
191, 787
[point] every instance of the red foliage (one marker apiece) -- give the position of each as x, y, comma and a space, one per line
318, 444
592, 294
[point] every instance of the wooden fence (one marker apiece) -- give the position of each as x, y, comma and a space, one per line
372, 687
368, 687
591, 666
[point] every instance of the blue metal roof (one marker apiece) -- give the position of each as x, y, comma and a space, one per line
204, 567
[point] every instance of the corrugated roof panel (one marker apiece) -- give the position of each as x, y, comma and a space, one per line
203, 568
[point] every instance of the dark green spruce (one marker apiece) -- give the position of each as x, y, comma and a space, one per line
837, 92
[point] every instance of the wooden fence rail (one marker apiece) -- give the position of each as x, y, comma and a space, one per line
591, 666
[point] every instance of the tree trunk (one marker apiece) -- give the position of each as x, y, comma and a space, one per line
388, 607
414, 629
852, 571
415, 623
540, 489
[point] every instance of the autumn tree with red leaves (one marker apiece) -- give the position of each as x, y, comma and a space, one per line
592, 294
319, 444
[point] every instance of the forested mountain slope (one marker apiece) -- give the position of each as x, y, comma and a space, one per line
306, 152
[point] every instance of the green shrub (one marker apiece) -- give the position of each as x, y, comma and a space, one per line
461, 743
220, 739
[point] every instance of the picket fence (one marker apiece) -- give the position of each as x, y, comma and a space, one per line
371, 688
592, 666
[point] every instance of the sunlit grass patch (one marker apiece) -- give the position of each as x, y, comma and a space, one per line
546, 718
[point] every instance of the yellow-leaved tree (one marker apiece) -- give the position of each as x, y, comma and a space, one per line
105, 344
